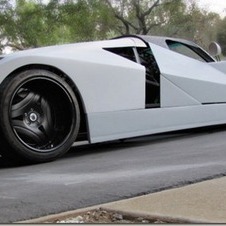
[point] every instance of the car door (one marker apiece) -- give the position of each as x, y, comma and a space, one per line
186, 81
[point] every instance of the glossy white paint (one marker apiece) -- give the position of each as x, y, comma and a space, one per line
113, 88
125, 124
106, 82
221, 66
173, 96
200, 80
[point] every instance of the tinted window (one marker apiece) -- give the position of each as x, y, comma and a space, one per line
147, 59
126, 52
189, 51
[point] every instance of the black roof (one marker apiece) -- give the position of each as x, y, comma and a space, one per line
162, 41
159, 40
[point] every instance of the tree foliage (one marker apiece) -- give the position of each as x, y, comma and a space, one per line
141, 16
33, 23
177, 18
30, 23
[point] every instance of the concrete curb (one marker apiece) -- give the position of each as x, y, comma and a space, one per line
152, 217
128, 215
204, 202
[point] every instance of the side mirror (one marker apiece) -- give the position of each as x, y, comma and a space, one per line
215, 50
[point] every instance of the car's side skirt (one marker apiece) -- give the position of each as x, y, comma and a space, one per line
124, 124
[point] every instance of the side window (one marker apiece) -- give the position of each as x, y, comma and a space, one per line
147, 59
126, 52
189, 51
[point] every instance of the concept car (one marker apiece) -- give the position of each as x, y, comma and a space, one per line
105, 90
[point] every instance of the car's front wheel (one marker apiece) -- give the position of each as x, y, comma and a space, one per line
39, 116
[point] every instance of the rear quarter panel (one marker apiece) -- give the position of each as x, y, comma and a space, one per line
106, 82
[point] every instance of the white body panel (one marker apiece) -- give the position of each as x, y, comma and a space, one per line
184, 88
221, 66
173, 96
124, 124
105, 85
112, 88
200, 80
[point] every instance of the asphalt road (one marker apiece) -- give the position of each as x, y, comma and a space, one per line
97, 174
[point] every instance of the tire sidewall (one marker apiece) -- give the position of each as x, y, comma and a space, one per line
8, 90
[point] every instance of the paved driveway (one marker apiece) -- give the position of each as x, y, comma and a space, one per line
97, 174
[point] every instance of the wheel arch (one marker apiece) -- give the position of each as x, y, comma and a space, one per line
83, 131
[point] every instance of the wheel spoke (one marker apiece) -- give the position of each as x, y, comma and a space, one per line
47, 124
36, 132
30, 134
22, 106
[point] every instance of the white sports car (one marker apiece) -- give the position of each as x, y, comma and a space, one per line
105, 90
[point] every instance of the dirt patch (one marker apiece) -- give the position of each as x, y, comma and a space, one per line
107, 217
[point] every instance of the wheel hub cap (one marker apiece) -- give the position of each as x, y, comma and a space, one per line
33, 117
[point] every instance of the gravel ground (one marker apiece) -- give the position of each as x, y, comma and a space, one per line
108, 217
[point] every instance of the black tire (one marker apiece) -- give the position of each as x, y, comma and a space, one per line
39, 116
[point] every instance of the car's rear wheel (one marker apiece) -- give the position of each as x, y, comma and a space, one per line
40, 116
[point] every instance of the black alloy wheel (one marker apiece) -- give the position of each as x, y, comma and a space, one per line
40, 116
